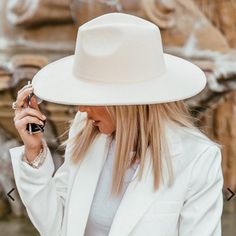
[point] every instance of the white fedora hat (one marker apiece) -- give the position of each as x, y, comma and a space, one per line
118, 60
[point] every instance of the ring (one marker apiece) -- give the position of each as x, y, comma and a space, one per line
14, 106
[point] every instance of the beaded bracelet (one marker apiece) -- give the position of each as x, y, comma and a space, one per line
40, 158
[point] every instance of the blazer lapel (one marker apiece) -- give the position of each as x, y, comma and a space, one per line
140, 195
84, 185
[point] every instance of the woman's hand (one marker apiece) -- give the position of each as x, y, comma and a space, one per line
25, 115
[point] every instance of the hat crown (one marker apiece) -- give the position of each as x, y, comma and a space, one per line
118, 48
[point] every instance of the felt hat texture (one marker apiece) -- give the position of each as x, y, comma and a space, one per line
118, 60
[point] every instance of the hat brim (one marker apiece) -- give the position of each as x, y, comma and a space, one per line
56, 83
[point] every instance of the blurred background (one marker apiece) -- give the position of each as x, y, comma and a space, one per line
34, 33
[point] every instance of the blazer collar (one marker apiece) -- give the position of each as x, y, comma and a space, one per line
173, 138
129, 211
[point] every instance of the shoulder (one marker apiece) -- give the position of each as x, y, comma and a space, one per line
205, 162
192, 145
194, 139
190, 139
203, 152
200, 158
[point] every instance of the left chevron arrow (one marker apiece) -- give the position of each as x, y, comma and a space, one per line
8, 194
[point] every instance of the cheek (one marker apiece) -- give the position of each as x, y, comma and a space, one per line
106, 126
106, 123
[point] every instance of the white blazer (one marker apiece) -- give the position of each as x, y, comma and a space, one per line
59, 205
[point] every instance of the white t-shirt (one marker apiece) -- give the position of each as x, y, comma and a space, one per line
104, 207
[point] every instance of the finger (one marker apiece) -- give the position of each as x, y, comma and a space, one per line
29, 112
22, 97
21, 124
17, 111
27, 100
23, 88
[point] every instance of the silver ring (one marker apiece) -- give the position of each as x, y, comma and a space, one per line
14, 106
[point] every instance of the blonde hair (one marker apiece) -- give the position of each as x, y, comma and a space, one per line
138, 127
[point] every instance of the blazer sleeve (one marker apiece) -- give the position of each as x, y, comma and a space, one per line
202, 209
43, 193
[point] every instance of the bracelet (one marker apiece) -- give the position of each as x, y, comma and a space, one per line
40, 158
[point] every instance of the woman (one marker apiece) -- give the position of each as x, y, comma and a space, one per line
134, 162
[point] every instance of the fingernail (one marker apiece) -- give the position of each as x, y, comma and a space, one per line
44, 117
41, 122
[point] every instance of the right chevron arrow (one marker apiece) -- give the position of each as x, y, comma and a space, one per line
232, 194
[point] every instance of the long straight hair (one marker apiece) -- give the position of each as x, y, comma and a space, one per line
138, 128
